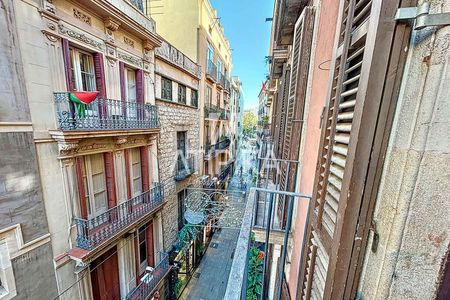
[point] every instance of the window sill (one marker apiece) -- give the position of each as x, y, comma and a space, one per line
176, 103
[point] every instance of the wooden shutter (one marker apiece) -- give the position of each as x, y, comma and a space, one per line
127, 172
67, 64
81, 187
303, 35
363, 40
281, 111
99, 68
150, 245
110, 179
145, 168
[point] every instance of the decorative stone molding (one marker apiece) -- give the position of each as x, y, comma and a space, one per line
176, 57
147, 45
112, 25
130, 59
128, 41
82, 16
111, 52
48, 6
79, 36
121, 140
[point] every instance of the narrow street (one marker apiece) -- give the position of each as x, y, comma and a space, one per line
210, 279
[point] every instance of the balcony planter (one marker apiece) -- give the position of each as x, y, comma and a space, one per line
103, 114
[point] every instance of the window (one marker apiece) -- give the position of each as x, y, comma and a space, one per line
194, 98
218, 99
166, 88
142, 245
95, 185
181, 209
83, 71
181, 94
130, 79
210, 53
208, 96
219, 69
136, 176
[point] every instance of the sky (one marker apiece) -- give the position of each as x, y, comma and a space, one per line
244, 22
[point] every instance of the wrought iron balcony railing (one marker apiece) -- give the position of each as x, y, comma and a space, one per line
149, 282
185, 168
210, 151
225, 114
220, 79
224, 172
104, 114
93, 231
227, 85
211, 70
224, 143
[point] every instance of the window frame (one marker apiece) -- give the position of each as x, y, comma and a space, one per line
166, 89
142, 263
208, 96
135, 152
194, 102
77, 73
90, 194
182, 93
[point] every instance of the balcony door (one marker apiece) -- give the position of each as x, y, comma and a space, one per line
95, 185
131, 94
181, 150
105, 276
83, 71
135, 171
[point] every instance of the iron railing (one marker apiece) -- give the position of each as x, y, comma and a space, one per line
224, 144
220, 79
211, 70
93, 231
149, 282
104, 114
239, 270
224, 114
210, 151
224, 172
185, 168
227, 85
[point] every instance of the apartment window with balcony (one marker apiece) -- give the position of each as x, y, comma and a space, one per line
136, 176
95, 185
142, 248
181, 94
208, 96
194, 98
83, 71
210, 54
218, 99
131, 95
166, 88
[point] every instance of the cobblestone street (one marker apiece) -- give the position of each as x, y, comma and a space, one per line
210, 279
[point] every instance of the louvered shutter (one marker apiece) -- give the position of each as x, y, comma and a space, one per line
79, 161
361, 53
67, 64
303, 34
140, 93
280, 120
145, 168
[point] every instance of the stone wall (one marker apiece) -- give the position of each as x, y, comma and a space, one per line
174, 118
412, 213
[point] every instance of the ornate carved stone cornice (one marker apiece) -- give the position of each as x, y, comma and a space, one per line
79, 36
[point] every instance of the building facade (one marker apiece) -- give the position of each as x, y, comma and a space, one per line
88, 74
204, 41
237, 111
177, 83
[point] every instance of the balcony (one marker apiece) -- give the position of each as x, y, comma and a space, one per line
224, 114
248, 235
175, 57
220, 80
94, 231
227, 85
150, 281
184, 168
224, 143
210, 151
224, 172
211, 71
104, 114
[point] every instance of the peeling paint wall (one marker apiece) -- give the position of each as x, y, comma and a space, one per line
412, 213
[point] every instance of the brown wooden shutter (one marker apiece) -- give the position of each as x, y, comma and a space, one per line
99, 67
145, 168
110, 179
150, 242
126, 154
67, 64
303, 34
79, 161
280, 121
140, 93
360, 60
123, 86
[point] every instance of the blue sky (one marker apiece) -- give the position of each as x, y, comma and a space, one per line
249, 34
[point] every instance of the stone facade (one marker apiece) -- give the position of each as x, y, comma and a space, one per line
176, 115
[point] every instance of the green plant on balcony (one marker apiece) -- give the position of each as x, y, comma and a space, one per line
255, 274
186, 235
178, 286
266, 120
